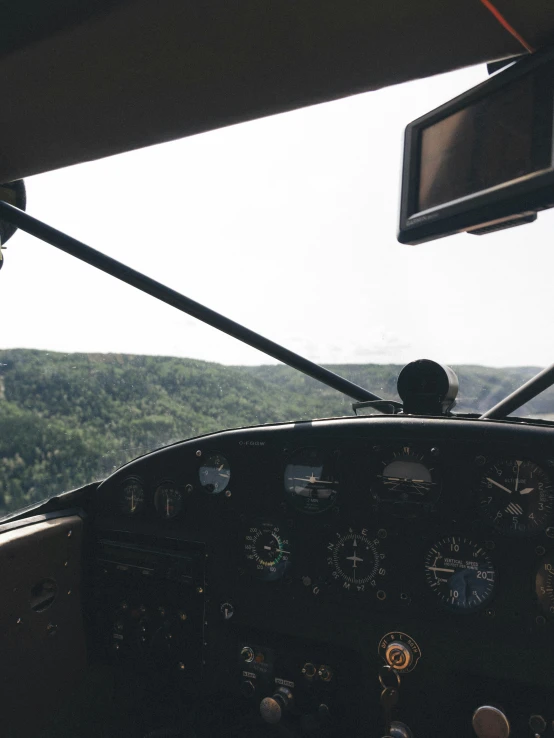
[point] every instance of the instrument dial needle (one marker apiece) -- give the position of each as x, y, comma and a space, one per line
500, 486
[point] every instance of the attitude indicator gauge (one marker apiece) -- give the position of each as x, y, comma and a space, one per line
408, 482
267, 551
310, 483
356, 560
460, 573
132, 496
516, 496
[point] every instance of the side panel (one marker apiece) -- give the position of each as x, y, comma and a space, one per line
42, 641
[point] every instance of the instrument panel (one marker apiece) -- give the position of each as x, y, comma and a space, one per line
342, 533
364, 507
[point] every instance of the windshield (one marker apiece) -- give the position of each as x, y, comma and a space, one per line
287, 225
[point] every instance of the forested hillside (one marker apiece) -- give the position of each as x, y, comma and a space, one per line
67, 419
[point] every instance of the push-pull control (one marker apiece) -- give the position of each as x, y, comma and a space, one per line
273, 708
490, 722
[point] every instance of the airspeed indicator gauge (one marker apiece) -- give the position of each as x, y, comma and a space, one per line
267, 551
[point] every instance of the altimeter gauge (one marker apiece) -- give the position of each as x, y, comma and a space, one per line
267, 551
356, 560
310, 481
516, 496
460, 573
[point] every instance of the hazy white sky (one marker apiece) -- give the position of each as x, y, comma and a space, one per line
288, 225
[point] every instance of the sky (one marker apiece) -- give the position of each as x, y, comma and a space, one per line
287, 225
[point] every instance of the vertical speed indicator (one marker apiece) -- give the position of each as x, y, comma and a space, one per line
544, 584
460, 573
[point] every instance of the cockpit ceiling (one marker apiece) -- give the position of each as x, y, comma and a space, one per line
113, 76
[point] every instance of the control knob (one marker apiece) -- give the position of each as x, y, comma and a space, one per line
398, 656
537, 724
309, 670
247, 654
490, 722
273, 708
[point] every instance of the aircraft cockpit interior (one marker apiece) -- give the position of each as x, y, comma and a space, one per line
384, 571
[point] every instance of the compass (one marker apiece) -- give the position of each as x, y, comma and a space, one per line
355, 559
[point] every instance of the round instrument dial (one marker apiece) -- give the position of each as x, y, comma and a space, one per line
309, 482
168, 500
267, 551
516, 496
460, 573
408, 482
132, 496
544, 584
214, 474
355, 559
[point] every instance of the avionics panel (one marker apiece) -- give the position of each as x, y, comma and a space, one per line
148, 603
484, 160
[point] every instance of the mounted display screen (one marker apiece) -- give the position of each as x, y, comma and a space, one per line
483, 159
488, 143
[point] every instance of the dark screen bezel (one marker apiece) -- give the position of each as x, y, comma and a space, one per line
530, 193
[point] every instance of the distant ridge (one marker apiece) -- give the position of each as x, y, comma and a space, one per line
67, 419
